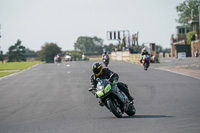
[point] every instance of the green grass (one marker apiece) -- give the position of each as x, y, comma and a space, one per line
2, 74
17, 65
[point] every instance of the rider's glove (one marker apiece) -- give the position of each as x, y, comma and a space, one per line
115, 81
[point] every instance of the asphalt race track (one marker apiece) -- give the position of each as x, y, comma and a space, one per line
53, 98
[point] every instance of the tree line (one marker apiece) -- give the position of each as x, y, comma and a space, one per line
83, 45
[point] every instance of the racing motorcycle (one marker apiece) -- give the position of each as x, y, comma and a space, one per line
57, 59
146, 61
106, 60
114, 99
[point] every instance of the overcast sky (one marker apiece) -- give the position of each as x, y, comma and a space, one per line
36, 22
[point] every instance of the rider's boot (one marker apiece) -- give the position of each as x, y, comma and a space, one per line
128, 93
101, 103
130, 98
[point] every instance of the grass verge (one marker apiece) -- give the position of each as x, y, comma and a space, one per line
17, 65
2, 74
95, 59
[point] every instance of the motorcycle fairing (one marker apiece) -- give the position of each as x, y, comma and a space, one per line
102, 92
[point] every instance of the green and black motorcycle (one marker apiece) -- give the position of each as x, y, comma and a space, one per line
113, 98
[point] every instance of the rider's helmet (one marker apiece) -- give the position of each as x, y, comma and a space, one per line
144, 49
97, 68
104, 52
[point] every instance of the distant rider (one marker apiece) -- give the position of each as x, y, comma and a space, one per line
197, 53
105, 54
144, 52
105, 73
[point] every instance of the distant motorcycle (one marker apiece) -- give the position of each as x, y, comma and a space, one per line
113, 98
106, 60
146, 61
57, 59
68, 58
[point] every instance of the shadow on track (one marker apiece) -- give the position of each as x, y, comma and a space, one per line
148, 116
140, 117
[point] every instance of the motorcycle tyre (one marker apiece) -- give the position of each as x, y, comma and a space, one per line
145, 66
113, 109
131, 110
106, 64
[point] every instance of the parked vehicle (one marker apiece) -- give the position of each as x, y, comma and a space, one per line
146, 61
113, 98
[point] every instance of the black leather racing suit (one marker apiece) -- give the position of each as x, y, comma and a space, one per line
106, 73
105, 55
144, 53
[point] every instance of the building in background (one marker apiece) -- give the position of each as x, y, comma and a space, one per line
179, 42
195, 45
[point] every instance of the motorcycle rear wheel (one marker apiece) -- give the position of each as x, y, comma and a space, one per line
114, 109
145, 66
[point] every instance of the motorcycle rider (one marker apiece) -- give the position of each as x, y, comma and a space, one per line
144, 52
105, 54
105, 73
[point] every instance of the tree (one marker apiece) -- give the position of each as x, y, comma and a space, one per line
190, 37
1, 56
48, 52
184, 9
98, 43
16, 52
30, 53
109, 47
88, 44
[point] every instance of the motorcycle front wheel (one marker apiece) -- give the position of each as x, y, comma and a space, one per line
131, 110
114, 108
106, 63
